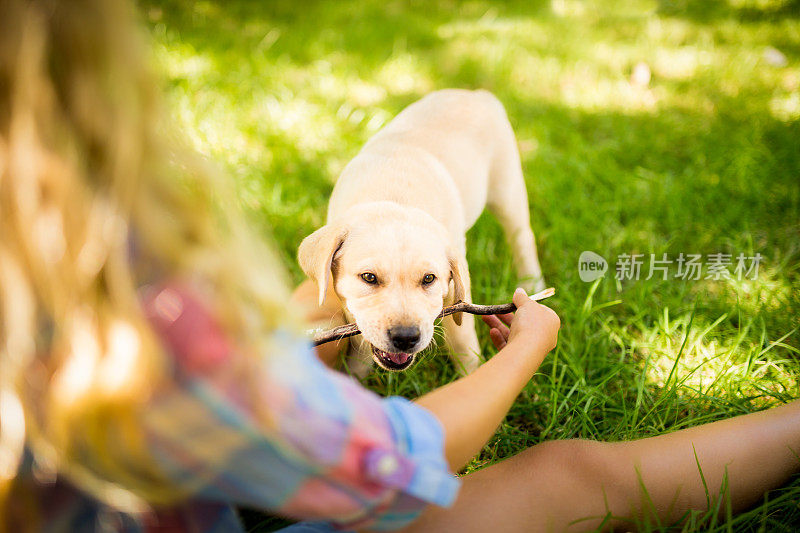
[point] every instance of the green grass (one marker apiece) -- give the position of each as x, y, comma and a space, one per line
705, 159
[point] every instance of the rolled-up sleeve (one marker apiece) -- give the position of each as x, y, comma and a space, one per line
419, 436
320, 446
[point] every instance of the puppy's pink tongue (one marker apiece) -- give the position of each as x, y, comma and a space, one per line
399, 358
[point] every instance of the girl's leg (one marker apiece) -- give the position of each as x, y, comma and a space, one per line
576, 484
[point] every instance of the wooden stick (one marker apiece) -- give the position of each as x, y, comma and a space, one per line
348, 330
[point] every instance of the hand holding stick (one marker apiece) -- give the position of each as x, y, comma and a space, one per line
348, 330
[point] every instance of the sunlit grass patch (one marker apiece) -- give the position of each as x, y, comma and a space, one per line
705, 360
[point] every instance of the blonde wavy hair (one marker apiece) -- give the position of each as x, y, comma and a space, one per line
85, 170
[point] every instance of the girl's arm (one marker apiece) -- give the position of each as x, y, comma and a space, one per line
471, 408
273, 428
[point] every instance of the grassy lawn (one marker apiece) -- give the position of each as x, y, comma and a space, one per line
703, 159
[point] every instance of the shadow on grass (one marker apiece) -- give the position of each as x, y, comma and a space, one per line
709, 11
368, 31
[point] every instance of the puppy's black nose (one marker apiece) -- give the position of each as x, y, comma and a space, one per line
404, 337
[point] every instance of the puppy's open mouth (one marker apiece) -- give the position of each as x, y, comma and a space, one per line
393, 361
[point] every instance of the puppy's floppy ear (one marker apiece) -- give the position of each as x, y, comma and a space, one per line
316, 253
458, 285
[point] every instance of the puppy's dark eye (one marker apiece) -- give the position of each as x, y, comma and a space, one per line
428, 279
370, 278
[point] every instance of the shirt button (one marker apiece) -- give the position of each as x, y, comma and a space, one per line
387, 465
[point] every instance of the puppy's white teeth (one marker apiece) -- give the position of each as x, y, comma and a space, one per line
396, 358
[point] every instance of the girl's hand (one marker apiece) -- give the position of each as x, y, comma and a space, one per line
532, 323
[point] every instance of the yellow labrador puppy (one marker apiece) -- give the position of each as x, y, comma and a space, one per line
393, 251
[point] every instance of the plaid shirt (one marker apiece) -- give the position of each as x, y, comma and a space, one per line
331, 450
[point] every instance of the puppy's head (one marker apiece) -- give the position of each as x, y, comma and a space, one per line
393, 270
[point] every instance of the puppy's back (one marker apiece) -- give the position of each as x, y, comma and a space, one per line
441, 146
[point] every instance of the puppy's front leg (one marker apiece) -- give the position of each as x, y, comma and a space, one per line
359, 358
463, 343
329, 315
